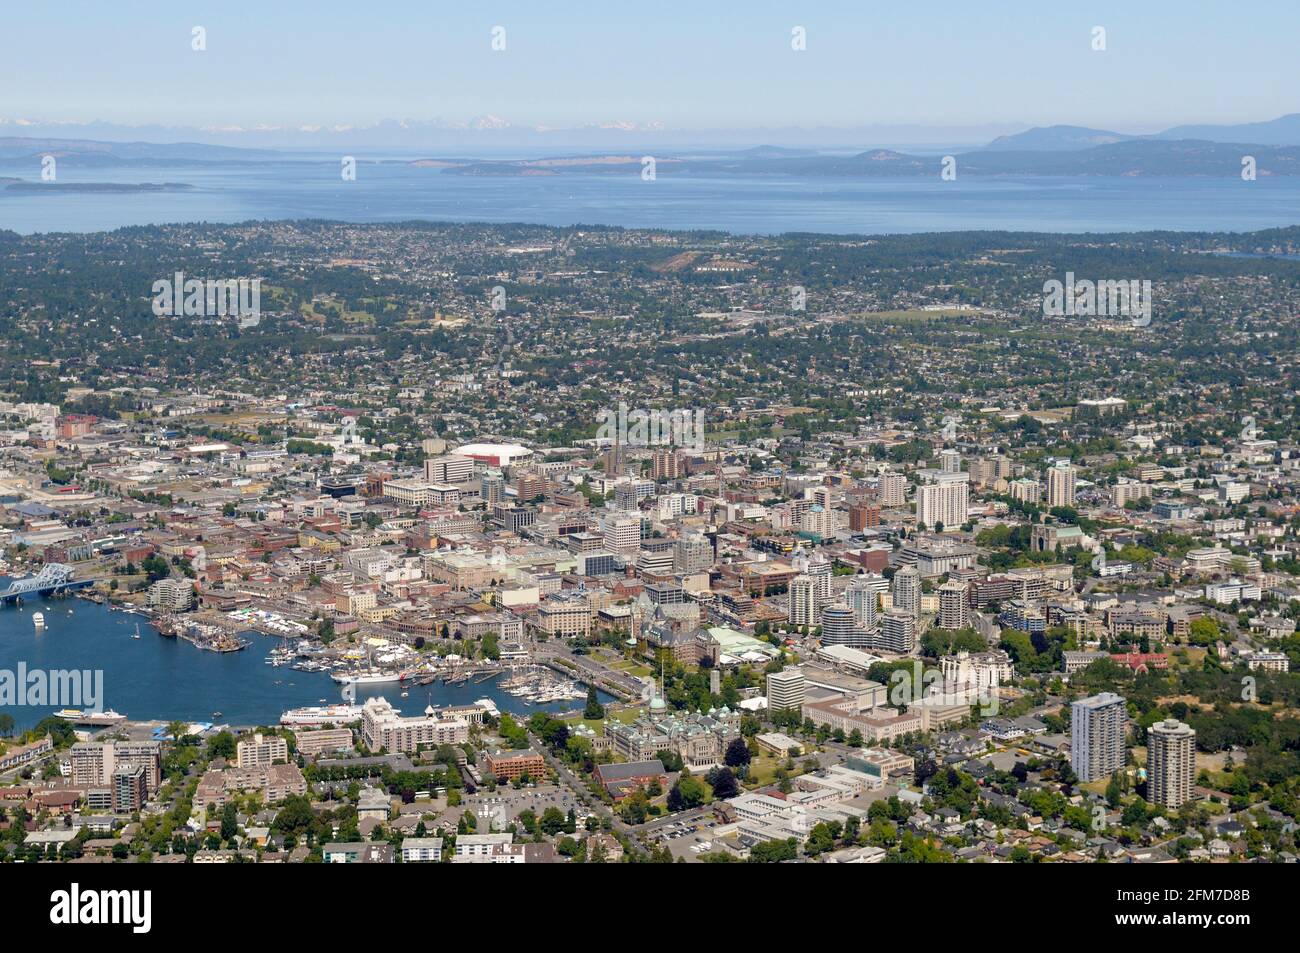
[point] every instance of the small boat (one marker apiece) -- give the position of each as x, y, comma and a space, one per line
216, 714
38, 620
137, 631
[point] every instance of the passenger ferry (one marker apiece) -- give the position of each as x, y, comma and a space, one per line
91, 719
373, 677
321, 715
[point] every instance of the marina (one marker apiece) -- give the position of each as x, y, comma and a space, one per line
167, 678
537, 685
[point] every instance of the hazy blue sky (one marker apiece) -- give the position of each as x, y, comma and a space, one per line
689, 65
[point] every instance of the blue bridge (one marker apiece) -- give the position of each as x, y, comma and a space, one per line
53, 579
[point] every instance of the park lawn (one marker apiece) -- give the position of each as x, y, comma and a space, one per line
631, 668
624, 716
762, 770
918, 315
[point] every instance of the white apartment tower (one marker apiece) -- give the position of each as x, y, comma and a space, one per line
1061, 480
944, 503
897, 632
1026, 491
804, 600
1171, 763
261, 750
821, 569
839, 627
893, 489
1097, 726
954, 612
863, 596
906, 591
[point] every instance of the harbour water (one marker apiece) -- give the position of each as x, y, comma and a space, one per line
745, 204
157, 678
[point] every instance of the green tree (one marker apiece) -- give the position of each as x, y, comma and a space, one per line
229, 822
738, 754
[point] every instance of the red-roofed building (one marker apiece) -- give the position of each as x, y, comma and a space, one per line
1141, 662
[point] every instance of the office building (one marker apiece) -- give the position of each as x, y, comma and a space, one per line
508, 765
530, 487
785, 689
597, 563
692, 553
565, 616
623, 535
449, 468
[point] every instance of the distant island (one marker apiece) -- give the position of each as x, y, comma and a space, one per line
1132, 157
1267, 149
24, 185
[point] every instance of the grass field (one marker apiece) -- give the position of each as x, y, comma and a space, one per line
623, 716
919, 315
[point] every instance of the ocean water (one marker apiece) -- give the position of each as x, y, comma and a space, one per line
157, 678
748, 204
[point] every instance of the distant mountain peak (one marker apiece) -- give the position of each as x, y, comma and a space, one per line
490, 122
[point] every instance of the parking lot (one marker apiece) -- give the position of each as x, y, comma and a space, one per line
506, 804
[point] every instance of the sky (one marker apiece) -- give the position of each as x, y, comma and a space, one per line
696, 65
